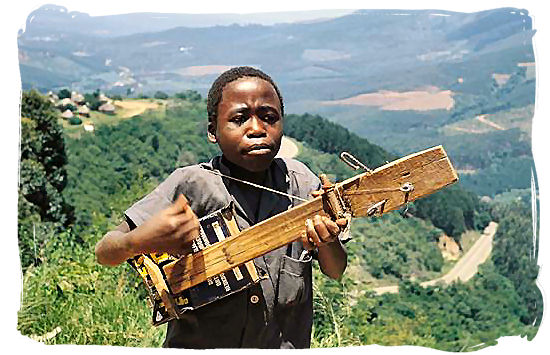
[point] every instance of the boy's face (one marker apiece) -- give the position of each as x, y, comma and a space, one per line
249, 127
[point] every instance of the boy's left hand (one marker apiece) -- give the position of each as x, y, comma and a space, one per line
321, 231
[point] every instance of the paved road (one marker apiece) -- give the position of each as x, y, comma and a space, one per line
466, 267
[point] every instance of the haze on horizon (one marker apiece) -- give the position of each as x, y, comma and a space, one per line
123, 8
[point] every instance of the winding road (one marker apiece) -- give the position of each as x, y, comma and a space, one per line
465, 268
288, 148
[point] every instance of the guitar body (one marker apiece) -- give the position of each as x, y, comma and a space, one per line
167, 305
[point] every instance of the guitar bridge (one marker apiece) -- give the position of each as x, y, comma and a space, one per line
333, 204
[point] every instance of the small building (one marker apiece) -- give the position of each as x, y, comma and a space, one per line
84, 111
103, 99
53, 97
88, 126
78, 98
67, 114
107, 108
486, 199
66, 102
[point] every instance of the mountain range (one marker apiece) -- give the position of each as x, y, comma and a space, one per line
403, 79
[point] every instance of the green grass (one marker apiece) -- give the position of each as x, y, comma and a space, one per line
91, 304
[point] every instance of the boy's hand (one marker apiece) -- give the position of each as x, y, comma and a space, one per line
171, 230
321, 231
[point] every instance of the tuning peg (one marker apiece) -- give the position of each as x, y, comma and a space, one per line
353, 162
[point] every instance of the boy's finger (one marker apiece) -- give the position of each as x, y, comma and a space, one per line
180, 205
342, 222
316, 193
321, 229
312, 233
308, 245
332, 227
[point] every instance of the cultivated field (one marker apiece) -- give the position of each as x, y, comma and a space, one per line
431, 98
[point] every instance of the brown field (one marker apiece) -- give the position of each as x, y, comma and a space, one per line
200, 70
132, 108
419, 100
501, 79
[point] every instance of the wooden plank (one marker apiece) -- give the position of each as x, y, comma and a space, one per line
162, 288
234, 230
268, 235
428, 171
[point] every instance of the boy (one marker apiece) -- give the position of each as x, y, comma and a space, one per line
245, 118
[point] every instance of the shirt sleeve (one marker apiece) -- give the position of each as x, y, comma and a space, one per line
157, 200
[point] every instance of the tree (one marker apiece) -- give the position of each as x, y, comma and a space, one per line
190, 95
515, 256
42, 171
161, 95
42, 208
64, 94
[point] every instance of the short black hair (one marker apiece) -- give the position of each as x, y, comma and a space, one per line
216, 90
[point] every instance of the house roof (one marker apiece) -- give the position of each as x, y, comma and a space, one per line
107, 107
67, 114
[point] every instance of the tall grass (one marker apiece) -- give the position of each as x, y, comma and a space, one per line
90, 304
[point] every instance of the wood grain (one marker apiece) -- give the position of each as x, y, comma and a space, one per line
427, 171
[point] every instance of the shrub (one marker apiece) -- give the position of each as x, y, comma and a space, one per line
75, 120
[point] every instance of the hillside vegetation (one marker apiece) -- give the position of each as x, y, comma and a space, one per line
109, 169
487, 134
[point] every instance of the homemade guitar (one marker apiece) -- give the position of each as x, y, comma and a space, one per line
221, 262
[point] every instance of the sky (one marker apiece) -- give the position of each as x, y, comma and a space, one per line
106, 7
14, 17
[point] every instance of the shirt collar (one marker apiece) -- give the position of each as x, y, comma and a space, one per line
277, 178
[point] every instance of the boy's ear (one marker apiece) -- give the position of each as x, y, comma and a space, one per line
211, 132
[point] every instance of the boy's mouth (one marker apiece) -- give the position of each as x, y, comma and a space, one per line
259, 149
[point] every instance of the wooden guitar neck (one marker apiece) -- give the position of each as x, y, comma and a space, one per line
387, 188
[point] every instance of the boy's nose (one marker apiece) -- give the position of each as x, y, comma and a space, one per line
256, 128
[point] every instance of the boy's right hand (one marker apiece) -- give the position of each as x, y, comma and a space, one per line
171, 230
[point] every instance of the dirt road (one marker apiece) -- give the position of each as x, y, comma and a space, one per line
483, 119
465, 268
288, 148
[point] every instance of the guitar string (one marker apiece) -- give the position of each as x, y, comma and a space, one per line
194, 273
360, 191
257, 186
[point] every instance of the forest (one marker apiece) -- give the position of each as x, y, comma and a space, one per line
74, 189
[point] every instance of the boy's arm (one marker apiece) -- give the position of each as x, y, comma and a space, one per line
323, 233
171, 230
114, 247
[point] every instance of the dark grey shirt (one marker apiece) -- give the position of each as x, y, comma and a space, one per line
277, 312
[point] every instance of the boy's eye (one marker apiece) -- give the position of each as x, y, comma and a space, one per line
271, 118
238, 119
